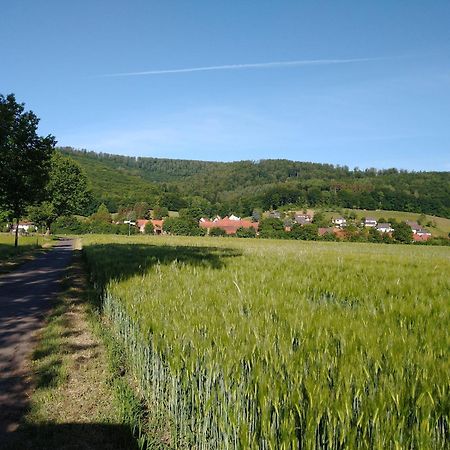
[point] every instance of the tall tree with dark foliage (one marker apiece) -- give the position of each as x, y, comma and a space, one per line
25, 158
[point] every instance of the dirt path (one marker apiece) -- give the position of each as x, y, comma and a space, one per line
25, 299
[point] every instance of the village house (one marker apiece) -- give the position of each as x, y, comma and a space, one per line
230, 226
384, 228
370, 222
157, 225
303, 219
340, 222
338, 232
274, 214
419, 234
141, 223
24, 227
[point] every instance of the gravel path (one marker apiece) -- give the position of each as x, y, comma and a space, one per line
25, 300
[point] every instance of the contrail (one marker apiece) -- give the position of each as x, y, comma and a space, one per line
266, 65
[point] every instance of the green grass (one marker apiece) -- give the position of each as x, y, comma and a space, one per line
11, 256
279, 345
78, 400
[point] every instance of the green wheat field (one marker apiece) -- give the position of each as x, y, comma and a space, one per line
255, 344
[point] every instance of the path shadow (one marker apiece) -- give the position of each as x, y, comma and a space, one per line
122, 261
70, 436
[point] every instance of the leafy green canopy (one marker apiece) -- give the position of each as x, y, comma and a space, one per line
25, 157
241, 187
66, 192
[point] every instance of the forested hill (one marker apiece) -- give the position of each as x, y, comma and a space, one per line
120, 181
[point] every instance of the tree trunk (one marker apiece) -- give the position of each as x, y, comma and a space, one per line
16, 239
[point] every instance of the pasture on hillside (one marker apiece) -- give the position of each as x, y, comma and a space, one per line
265, 344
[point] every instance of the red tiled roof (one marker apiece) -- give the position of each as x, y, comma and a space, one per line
141, 222
157, 223
230, 226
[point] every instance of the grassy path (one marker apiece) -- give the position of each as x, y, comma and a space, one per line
72, 401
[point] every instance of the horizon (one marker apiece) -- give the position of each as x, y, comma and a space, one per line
348, 84
255, 161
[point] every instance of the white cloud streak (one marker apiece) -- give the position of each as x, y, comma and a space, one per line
266, 65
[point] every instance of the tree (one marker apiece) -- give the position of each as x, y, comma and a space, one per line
246, 232
25, 158
308, 232
102, 214
271, 228
66, 192
402, 233
182, 227
43, 214
320, 220
159, 212
142, 210
216, 231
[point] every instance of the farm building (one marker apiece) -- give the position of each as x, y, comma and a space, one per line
230, 226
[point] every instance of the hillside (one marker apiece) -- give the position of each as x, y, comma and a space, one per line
244, 185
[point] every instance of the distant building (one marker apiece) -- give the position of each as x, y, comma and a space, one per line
303, 219
419, 234
338, 232
141, 223
230, 226
384, 228
157, 225
340, 222
275, 214
24, 227
370, 222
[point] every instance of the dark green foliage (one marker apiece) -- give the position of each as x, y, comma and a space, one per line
216, 231
329, 236
72, 225
307, 232
24, 157
374, 235
142, 210
267, 184
66, 192
149, 228
102, 215
271, 228
182, 227
246, 232
159, 212
402, 233
319, 220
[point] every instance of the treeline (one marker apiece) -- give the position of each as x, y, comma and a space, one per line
240, 187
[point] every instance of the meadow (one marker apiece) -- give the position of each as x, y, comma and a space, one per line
27, 244
265, 344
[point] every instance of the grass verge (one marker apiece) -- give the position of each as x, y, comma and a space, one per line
78, 399
30, 247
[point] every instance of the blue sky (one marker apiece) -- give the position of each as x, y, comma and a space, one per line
379, 97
